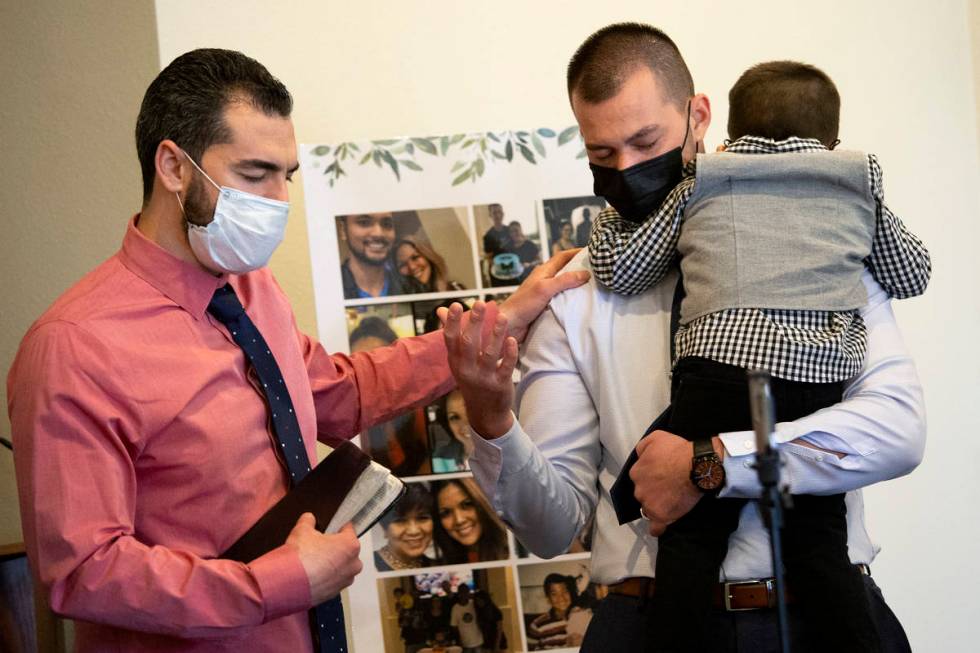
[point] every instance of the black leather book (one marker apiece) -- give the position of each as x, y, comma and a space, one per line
345, 487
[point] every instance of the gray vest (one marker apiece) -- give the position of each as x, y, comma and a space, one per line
779, 231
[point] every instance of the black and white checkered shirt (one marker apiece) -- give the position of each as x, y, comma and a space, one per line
798, 345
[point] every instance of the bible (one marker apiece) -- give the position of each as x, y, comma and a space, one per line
347, 486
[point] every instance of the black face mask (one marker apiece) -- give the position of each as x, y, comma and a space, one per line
639, 190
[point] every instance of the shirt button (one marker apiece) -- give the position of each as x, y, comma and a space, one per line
819, 457
748, 444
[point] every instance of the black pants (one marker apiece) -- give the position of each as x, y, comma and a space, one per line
622, 624
709, 398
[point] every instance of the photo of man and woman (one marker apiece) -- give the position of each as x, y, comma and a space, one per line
558, 599
393, 253
443, 522
510, 245
569, 220
449, 611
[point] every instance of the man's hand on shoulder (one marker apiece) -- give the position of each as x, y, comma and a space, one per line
544, 282
331, 561
662, 476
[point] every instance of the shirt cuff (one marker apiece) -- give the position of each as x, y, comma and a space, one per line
496, 459
282, 581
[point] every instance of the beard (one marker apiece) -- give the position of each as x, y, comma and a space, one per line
198, 206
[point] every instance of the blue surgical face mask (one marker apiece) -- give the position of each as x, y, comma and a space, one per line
244, 233
639, 190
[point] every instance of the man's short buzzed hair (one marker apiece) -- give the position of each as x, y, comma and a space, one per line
603, 63
779, 99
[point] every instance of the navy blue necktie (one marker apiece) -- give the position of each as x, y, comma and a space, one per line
326, 619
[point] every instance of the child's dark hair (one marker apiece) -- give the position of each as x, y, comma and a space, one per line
779, 99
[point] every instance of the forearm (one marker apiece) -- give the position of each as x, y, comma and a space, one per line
352, 393
877, 433
127, 584
510, 469
551, 454
899, 261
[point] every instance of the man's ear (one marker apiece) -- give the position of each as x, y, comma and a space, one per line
700, 116
172, 167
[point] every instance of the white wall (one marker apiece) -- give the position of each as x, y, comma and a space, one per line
905, 72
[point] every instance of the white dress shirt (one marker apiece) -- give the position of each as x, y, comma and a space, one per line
595, 373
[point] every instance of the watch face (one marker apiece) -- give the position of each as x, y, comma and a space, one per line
708, 474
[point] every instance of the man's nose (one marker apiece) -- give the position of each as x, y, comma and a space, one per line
628, 159
281, 191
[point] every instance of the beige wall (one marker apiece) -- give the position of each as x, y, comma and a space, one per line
73, 77
974, 18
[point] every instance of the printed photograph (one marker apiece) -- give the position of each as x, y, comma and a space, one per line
509, 241
450, 611
568, 221
401, 444
449, 434
443, 522
405, 252
558, 599
426, 319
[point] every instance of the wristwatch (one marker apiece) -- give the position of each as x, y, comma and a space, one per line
707, 472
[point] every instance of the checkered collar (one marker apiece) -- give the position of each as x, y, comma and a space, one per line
760, 145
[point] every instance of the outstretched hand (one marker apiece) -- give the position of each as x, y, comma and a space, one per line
482, 358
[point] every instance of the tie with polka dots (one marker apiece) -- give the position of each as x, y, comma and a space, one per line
326, 619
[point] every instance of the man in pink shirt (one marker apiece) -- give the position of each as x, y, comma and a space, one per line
144, 444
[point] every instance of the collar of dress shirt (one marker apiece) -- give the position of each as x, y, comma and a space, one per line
760, 145
186, 284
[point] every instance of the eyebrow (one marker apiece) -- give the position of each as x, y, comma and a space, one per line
640, 134
262, 164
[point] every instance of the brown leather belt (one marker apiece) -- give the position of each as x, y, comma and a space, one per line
757, 594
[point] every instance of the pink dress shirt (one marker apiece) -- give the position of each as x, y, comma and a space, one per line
143, 449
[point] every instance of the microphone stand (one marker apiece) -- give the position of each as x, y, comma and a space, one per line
773, 498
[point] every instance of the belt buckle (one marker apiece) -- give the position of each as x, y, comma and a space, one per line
768, 583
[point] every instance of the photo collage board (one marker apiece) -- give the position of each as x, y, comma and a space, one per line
399, 228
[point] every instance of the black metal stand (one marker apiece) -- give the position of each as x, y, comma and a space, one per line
773, 498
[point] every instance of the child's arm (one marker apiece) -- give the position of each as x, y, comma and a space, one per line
898, 261
629, 258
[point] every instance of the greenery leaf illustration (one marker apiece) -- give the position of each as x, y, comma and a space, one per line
457, 166
526, 152
366, 158
386, 142
321, 150
463, 177
411, 165
425, 145
538, 145
509, 151
567, 134
547, 133
390, 160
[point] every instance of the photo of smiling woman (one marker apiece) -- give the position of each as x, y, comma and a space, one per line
407, 532
466, 529
417, 260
